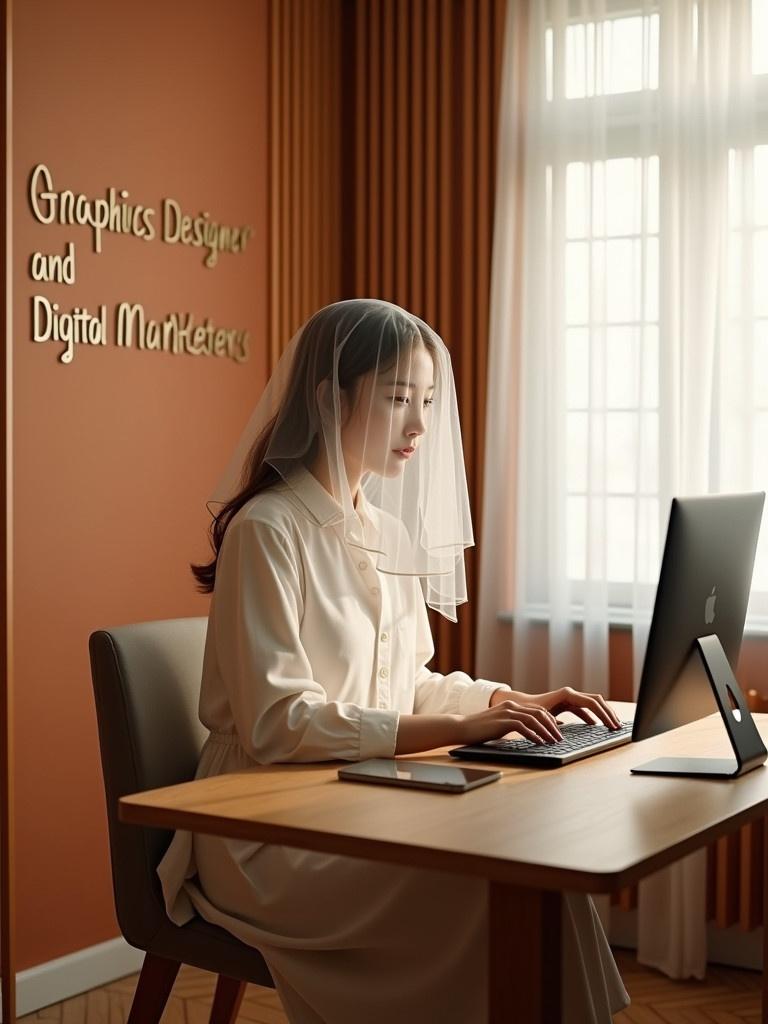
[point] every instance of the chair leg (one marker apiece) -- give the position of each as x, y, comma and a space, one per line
227, 999
155, 983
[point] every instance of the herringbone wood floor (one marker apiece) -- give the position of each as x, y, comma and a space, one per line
728, 996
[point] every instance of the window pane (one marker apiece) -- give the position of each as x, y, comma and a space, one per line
623, 197
649, 453
576, 199
652, 279
576, 537
735, 189
735, 281
760, 467
622, 267
623, 367
760, 184
623, 55
648, 556
577, 368
620, 539
612, 56
611, 195
576, 61
652, 212
576, 283
760, 273
576, 452
761, 369
650, 353
621, 452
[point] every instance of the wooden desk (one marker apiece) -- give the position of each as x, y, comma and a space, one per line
589, 827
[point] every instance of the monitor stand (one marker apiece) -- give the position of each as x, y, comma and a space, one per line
745, 740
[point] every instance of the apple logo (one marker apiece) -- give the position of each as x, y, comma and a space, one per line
709, 607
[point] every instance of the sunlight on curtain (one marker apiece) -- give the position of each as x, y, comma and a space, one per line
641, 262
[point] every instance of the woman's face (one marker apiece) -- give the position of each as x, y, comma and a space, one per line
390, 414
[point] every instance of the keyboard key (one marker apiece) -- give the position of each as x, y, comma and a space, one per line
575, 737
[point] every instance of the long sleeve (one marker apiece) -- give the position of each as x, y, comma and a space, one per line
455, 693
281, 712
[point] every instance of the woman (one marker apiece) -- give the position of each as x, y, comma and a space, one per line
350, 513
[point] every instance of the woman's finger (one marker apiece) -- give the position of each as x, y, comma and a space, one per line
598, 708
583, 714
527, 733
613, 716
548, 721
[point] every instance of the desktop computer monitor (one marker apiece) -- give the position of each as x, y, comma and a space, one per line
696, 630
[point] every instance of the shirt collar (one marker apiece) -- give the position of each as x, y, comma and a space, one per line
321, 505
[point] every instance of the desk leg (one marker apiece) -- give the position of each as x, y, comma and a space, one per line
524, 954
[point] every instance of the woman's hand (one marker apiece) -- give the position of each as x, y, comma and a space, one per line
531, 720
583, 705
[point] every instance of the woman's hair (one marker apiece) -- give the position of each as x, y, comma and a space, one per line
368, 337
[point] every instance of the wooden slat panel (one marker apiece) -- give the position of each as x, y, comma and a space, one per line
287, 199
374, 213
430, 239
711, 892
313, 174
484, 217
361, 264
388, 199
416, 156
305, 157
727, 880
404, 170
751, 839
447, 265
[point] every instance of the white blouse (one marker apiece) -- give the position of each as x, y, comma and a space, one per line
312, 654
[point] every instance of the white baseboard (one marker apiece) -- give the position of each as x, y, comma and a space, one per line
730, 946
78, 972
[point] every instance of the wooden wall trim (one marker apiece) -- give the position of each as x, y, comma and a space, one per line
7, 895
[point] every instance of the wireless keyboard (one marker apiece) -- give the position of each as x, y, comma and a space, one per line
579, 740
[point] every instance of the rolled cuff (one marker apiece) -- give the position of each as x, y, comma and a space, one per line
378, 733
477, 696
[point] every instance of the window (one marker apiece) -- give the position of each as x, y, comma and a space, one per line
604, 92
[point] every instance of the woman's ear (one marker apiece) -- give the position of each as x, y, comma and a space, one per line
324, 396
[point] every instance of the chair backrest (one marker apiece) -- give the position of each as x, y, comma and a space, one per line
146, 683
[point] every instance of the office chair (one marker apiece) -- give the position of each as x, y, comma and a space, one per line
146, 683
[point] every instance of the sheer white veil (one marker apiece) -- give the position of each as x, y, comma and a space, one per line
365, 390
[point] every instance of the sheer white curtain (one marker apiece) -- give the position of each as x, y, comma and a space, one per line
629, 321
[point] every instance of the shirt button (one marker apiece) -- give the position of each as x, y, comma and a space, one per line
374, 590
362, 565
384, 672
384, 637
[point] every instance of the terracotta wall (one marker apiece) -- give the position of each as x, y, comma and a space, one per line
115, 452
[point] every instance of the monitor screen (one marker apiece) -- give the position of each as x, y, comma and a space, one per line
704, 584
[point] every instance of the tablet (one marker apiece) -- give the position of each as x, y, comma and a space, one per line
391, 772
